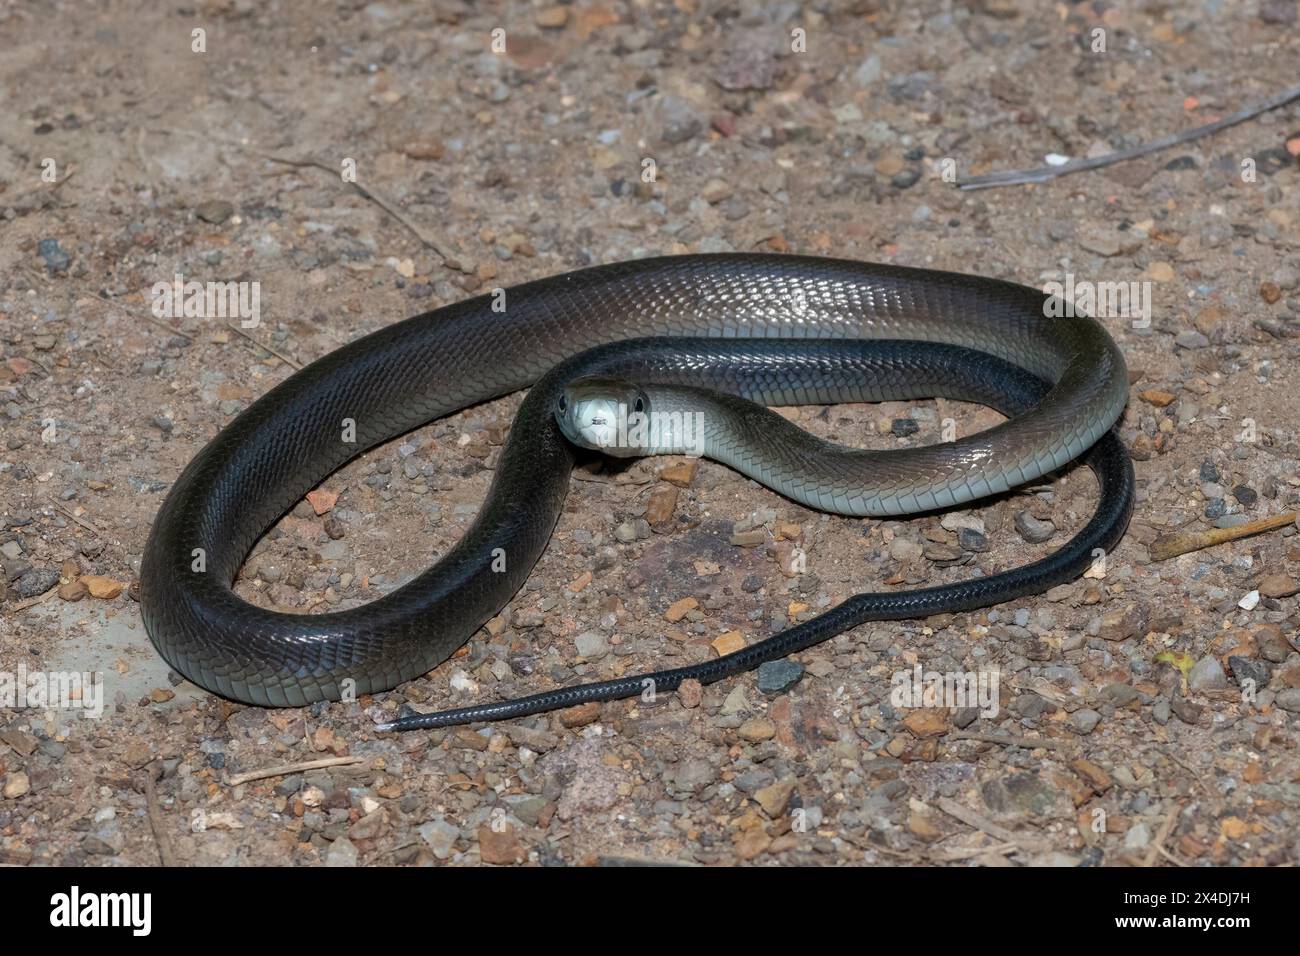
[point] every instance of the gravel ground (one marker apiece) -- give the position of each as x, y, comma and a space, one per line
1145, 714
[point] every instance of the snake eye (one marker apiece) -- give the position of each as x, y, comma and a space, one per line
640, 404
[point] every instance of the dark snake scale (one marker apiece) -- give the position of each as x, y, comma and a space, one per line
731, 323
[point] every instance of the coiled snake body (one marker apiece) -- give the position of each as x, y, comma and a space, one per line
899, 332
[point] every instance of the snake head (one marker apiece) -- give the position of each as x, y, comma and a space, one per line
602, 414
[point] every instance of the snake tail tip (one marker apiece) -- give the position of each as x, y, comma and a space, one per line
385, 728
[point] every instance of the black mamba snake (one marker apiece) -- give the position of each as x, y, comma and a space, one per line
908, 329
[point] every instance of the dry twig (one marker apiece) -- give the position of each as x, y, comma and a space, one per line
264, 347
81, 521
1170, 546
286, 769
152, 773
1166, 827
1010, 740
33, 601
1020, 177
449, 257
982, 823
444, 250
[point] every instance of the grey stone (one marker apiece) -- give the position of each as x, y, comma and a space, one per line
1085, 721
905, 178
1102, 243
679, 120
56, 260
1024, 792
1245, 494
591, 645
1185, 710
904, 549
1207, 675
776, 677
342, 852
215, 211
1244, 669
35, 581
913, 86
106, 841
1137, 837
693, 775
440, 835
1289, 700
1033, 530
735, 702
527, 808
868, 72
1120, 694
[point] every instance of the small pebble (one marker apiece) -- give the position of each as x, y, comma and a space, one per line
776, 677
591, 645
1244, 669
16, 785
56, 260
35, 582
905, 179
1033, 530
214, 211
1207, 674
1278, 586
342, 852
1084, 721
690, 693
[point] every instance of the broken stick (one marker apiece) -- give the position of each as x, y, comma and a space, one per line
286, 769
1020, 177
1170, 546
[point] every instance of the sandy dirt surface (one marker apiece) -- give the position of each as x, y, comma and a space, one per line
1146, 714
